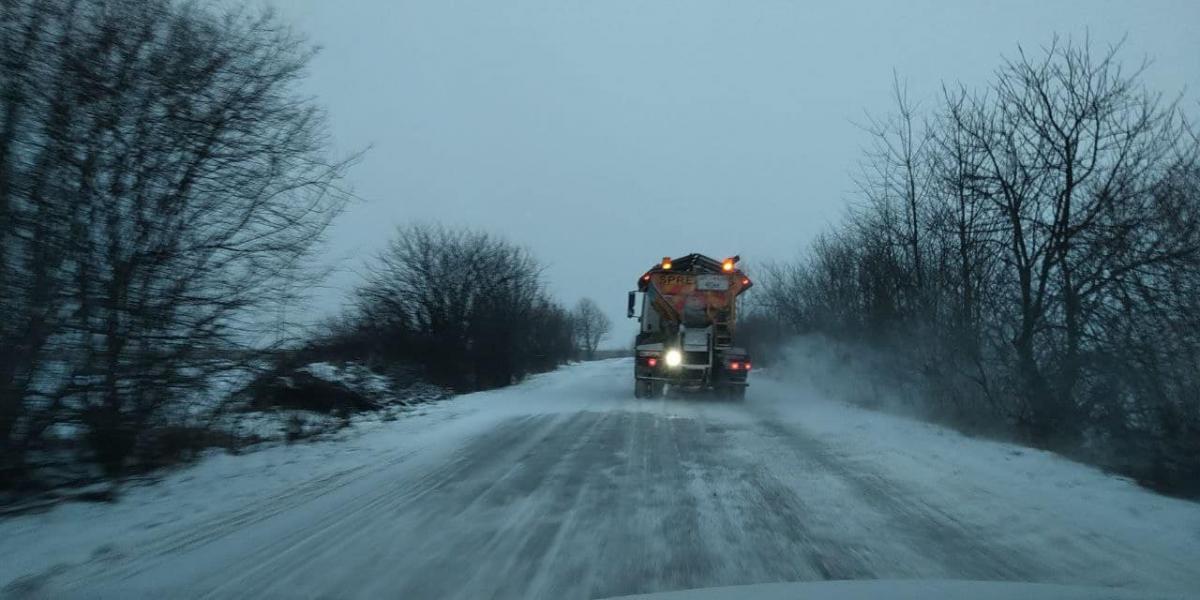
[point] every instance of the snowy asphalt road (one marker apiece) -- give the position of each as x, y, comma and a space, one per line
567, 487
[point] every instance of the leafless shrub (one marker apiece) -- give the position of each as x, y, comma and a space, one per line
467, 306
591, 325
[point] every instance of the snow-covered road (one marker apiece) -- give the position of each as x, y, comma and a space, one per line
567, 487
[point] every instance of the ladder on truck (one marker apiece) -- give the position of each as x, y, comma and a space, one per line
722, 335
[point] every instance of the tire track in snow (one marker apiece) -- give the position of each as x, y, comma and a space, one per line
179, 549
929, 530
762, 524
514, 522
210, 530
330, 539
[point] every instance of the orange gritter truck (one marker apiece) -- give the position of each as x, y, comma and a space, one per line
687, 323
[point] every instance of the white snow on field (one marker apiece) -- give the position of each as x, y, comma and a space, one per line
1068, 517
353, 376
322, 370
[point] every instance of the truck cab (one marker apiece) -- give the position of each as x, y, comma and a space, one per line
688, 320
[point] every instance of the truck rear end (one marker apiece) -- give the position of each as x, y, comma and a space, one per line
688, 322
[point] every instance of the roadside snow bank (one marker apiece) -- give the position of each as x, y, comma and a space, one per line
212, 493
1011, 495
319, 398
224, 492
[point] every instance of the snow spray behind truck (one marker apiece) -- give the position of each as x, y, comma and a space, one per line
688, 320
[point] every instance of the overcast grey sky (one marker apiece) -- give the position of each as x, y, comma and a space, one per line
604, 135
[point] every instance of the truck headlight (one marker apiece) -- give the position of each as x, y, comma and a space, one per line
674, 358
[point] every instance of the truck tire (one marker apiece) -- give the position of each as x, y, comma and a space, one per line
641, 389
656, 389
736, 393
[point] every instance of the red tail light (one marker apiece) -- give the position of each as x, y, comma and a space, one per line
653, 362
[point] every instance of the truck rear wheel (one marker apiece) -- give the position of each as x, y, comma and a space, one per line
641, 388
737, 393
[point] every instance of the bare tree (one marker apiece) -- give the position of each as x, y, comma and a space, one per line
467, 305
894, 179
591, 326
1049, 227
164, 182
1073, 148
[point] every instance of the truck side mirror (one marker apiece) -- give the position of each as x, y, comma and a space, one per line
632, 302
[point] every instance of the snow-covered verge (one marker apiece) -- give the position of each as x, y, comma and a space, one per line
273, 409
867, 376
224, 488
218, 484
1009, 494
241, 411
